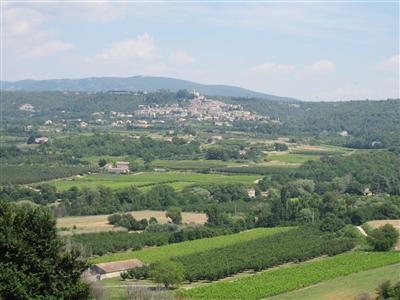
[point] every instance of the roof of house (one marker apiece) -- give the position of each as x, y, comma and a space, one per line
118, 266
122, 163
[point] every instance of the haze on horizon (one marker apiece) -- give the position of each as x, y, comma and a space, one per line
311, 51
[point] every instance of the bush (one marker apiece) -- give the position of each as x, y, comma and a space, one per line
383, 238
169, 273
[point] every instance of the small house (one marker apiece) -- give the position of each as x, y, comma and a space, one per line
41, 140
113, 269
122, 167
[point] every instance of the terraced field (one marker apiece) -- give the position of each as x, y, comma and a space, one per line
172, 250
177, 180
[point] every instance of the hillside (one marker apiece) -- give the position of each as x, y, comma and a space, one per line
135, 83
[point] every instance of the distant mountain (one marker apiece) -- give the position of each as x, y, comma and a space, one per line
135, 83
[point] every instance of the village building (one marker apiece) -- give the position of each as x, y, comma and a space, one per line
27, 107
122, 167
41, 140
251, 193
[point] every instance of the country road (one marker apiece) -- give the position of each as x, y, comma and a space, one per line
362, 231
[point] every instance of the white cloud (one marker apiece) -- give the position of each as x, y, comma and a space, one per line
390, 63
271, 67
141, 47
24, 36
181, 57
322, 67
49, 48
20, 21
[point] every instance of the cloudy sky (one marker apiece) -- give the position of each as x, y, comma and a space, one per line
309, 50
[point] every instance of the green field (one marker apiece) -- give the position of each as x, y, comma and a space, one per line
177, 180
346, 287
191, 164
166, 252
292, 158
293, 277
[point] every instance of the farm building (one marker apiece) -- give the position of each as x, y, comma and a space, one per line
41, 140
122, 167
113, 269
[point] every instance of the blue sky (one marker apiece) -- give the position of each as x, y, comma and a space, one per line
308, 50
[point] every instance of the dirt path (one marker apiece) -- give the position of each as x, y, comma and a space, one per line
362, 230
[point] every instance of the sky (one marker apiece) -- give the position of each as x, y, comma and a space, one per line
315, 50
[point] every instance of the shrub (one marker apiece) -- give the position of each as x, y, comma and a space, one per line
169, 273
383, 238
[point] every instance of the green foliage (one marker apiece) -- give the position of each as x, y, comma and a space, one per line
105, 242
280, 147
34, 264
137, 273
127, 221
293, 277
376, 170
292, 246
156, 254
169, 273
102, 162
386, 291
331, 223
175, 214
383, 238
17, 174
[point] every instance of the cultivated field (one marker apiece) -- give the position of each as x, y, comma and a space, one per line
177, 180
346, 287
379, 223
172, 250
281, 280
100, 223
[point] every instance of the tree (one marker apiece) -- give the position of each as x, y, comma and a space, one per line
214, 215
175, 214
169, 273
34, 263
331, 223
280, 147
102, 163
383, 238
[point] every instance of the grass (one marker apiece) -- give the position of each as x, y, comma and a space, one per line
175, 179
95, 158
293, 277
172, 250
292, 158
346, 287
190, 164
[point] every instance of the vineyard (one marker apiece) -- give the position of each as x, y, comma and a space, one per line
293, 246
146, 179
294, 277
180, 249
16, 174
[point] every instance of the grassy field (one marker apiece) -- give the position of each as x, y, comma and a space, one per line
291, 158
99, 223
293, 277
191, 164
172, 250
175, 179
346, 287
